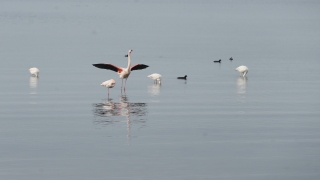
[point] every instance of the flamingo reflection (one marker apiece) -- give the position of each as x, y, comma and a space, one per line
241, 85
33, 83
154, 89
109, 112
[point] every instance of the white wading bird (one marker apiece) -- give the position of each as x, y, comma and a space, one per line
34, 71
156, 77
243, 69
123, 72
109, 84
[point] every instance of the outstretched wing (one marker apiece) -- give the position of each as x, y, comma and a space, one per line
108, 66
138, 67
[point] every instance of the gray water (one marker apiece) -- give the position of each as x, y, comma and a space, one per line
214, 125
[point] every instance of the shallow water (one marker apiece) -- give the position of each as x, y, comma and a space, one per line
214, 125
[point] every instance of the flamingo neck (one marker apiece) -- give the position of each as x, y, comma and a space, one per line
129, 61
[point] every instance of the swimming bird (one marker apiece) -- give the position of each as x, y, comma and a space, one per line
231, 59
243, 70
34, 71
156, 77
123, 72
109, 84
185, 77
217, 61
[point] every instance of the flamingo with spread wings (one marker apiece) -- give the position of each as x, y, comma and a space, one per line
123, 72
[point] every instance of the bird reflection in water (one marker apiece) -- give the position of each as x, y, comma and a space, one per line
110, 113
242, 85
154, 89
33, 83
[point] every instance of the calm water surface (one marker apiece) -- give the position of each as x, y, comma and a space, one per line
214, 125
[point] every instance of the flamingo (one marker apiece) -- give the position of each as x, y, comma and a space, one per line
34, 71
243, 69
156, 77
185, 77
217, 61
123, 72
109, 84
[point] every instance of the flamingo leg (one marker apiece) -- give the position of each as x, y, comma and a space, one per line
125, 83
122, 84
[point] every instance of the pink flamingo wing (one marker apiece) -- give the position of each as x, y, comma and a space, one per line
138, 67
108, 66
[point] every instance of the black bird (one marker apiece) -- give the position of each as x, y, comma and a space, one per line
231, 59
217, 61
185, 77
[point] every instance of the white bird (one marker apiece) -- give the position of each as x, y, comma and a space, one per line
34, 71
123, 72
243, 69
109, 84
156, 77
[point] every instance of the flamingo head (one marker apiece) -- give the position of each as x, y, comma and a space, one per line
129, 52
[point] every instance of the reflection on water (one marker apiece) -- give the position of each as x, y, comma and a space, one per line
242, 85
33, 83
109, 112
154, 89
107, 109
